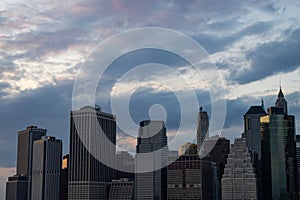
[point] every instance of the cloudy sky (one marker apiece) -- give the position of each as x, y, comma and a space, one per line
44, 43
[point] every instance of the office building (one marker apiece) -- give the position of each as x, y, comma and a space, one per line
16, 188
252, 128
281, 102
298, 163
64, 178
252, 135
216, 150
92, 153
190, 177
25, 150
279, 170
124, 165
202, 128
46, 167
121, 189
239, 178
151, 161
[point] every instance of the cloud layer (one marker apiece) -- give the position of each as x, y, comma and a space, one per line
43, 44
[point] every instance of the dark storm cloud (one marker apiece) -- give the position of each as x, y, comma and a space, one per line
47, 107
271, 58
213, 43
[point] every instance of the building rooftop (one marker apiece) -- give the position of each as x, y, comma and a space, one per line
256, 110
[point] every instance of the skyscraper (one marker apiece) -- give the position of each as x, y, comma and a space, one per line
252, 136
217, 149
25, 150
281, 102
64, 182
16, 188
252, 128
202, 128
125, 165
92, 138
239, 178
46, 167
278, 155
151, 159
298, 162
25, 146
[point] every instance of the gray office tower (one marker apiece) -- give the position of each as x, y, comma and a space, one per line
46, 166
252, 136
279, 168
92, 143
151, 159
239, 178
24, 153
16, 188
202, 128
298, 163
252, 128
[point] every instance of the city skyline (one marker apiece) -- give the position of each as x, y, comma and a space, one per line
43, 44
83, 126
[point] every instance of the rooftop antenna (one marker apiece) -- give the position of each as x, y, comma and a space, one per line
262, 103
279, 81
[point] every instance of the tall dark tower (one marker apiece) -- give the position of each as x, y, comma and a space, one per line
202, 128
151, 157
46, 167
26, 139
89, 144
278, 152
252, 128
298, 162
252, 136
25, 148
281, 102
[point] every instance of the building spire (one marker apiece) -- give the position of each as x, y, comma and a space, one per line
281, 102
280, 93
263, 104
280, 82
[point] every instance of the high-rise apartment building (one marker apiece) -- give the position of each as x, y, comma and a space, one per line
151, 161
46, 168
92, 143
202, 128
239, 178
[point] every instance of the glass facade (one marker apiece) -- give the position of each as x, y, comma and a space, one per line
278, 155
